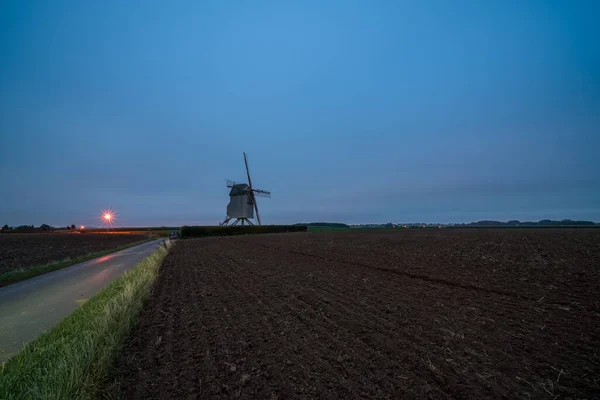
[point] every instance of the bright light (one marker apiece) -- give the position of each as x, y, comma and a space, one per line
108, 216
82, 227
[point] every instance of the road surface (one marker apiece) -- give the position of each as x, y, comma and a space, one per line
31, 307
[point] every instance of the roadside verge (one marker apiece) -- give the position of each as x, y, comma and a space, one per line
74, 359
18, 275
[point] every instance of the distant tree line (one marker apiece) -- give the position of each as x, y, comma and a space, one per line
511, 223
328, 224
543, 222
42, 228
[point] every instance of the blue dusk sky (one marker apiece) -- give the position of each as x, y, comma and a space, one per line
350, 111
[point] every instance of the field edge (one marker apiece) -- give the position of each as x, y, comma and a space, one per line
75, 358
18, 274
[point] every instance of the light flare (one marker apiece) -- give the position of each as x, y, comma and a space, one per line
108, 217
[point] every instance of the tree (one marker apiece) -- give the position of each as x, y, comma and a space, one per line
5, 228
45, 227
73, 227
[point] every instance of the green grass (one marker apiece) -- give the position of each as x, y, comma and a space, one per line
76, 358
20, 274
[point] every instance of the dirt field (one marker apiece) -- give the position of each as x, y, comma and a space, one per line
22, 250
414, 314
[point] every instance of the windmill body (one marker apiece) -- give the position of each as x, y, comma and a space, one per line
242, 200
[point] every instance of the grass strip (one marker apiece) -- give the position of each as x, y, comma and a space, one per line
20, 274
75, 359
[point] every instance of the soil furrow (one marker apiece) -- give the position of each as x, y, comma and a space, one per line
437, 314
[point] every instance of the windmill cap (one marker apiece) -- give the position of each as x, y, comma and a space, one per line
238, 189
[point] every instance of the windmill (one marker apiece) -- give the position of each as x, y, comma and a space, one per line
242, 200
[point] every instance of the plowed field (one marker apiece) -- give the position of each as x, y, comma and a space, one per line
23, 250
412, 314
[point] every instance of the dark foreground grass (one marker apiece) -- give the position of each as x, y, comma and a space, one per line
20, 274
75, 359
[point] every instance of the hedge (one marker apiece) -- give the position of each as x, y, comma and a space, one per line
202, 231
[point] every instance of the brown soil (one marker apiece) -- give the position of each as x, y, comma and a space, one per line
24, 250
413, 314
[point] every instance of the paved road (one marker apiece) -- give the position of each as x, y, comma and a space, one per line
29, 308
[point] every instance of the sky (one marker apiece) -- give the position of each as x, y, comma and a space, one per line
350, 111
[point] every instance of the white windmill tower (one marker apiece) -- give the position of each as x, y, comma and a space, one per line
242, 200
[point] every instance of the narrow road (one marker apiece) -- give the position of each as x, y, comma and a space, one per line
31, 307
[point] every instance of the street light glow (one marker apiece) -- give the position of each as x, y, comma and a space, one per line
108, 217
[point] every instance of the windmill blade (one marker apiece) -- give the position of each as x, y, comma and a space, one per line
255, 206
262, 193
247, 170
251, 191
